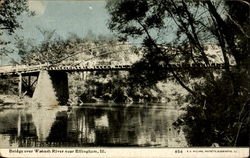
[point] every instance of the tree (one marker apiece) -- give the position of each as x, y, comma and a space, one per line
181, 32
53, 49
9, 12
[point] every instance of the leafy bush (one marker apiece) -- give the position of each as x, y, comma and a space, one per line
219, 113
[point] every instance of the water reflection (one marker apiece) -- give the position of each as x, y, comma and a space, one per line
90, 126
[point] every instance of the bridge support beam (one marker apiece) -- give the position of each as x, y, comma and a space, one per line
20, 85
29, 81
84, 75
52, 88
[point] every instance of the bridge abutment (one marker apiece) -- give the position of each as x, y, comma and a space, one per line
52, 88
60, 85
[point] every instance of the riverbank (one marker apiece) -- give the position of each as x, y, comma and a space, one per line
13, 100
10, 99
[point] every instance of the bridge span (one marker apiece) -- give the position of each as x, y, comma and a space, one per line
34, 69
52, 80
26, 69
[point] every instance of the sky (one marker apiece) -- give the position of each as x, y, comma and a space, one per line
63, 16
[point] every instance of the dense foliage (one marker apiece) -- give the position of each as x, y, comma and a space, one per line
182, 32
10, 10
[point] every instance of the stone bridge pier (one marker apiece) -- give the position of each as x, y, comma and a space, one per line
52, 88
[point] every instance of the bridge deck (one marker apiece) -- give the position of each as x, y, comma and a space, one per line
24, 69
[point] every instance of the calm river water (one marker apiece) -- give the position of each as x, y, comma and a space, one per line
90, 125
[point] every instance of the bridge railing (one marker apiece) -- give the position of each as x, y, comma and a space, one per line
21, 68
88, 67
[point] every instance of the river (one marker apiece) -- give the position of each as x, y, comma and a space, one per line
93, 125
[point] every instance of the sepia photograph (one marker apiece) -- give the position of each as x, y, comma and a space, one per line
124, 74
